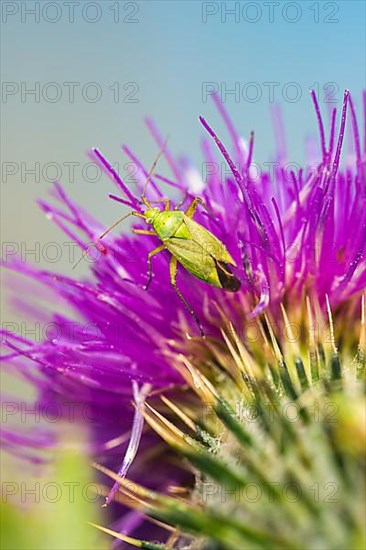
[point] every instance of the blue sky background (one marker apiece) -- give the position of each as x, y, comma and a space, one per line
168, 53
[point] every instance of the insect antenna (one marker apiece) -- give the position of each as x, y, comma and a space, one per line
108, 230
143, 200
149, 176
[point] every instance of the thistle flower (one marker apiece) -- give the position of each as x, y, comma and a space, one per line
282, 343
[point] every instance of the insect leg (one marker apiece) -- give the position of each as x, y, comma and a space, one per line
143, 232
173, 267
190, 212
182, 202
149, 256
166, 201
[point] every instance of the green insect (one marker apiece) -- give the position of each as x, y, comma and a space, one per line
189, 243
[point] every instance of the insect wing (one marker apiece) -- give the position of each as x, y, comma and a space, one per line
227, 279
210, 244
192, 256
